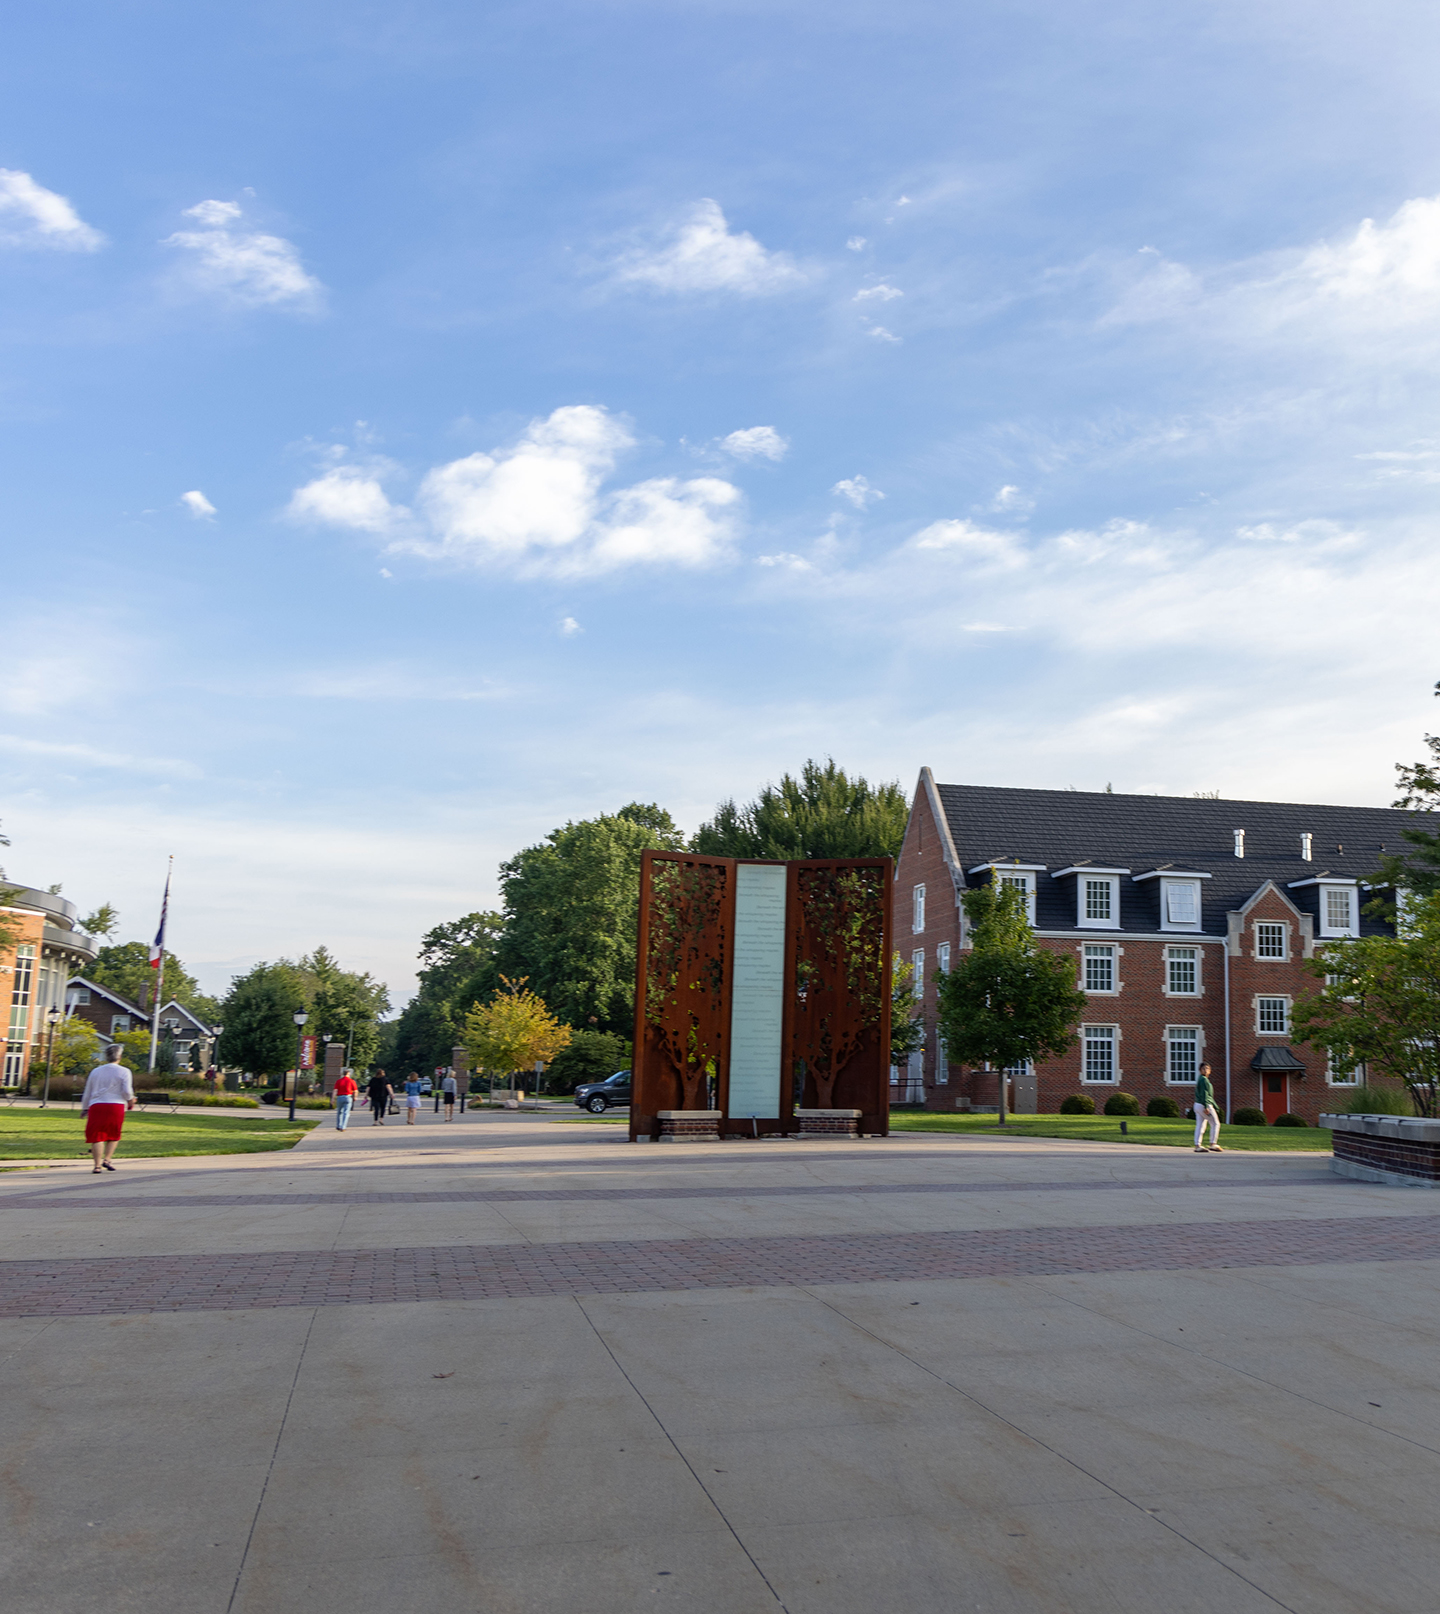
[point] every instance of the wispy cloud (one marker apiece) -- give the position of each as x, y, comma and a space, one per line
242, 266
881, 294
31, 216
569, 627
197, 505
701, 253
756, 443
858, 491
538, 508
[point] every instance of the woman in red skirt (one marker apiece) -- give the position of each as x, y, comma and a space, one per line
109, 1092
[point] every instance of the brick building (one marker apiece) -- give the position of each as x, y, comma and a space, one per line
1189, 920
47, 949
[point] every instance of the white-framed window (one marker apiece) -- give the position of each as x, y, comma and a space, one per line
1182, 1054
1097, 901
917, 972
1026, 1067
1272, 1016
1182, 972
80, 994
1342, 1078
1099, 968
942, 959
942, 1060
1023, 881
917, 909
1337, 910
119, 1022
1099, 1044
1271, 939
1180, 905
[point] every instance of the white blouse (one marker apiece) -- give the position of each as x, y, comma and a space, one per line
108, 1084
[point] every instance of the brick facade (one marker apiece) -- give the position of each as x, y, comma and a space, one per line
1267, 886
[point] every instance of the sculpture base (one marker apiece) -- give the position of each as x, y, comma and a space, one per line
828, 1123
688, 1126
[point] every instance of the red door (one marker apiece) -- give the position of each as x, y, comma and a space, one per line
1277, 1096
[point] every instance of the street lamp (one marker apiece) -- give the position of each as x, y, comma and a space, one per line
299, 1017
54, 1017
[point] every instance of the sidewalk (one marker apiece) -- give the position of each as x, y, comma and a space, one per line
502, 1364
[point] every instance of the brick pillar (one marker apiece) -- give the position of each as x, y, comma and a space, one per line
334, 1064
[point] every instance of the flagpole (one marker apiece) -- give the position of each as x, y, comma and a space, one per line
160, 978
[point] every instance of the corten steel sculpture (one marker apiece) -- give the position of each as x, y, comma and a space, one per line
834, 1042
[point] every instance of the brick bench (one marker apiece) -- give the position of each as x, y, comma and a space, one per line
688, 1126
1402, 1150
829, 1123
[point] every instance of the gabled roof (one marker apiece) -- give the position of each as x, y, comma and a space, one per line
1061, 828
174, 1007
110, 996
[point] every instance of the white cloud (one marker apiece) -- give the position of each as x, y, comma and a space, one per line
857, 490
785, 560
970, 542
569, 627
1011, 498
756, 443
197, 505
881, 293
31, 216
538, 508
856, 243
1266, 532
703, 254
346, 496
879, 332
244, 266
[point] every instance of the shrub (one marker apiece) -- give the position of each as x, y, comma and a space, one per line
1122, 1104
1289, 1120
1378, 1101
1077, 1104
1163, 1108
226, 1101
1248, 1118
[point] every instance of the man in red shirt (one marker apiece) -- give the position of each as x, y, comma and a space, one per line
345, 1091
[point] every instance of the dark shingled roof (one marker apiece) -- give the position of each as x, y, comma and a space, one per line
1061, 827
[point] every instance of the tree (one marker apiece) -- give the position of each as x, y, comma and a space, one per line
907, 1028
346, 1004
457, 969
590, 1056
77, 1048
823, 813
102, 922
125, 968
1418, 872
571, 905
1006, 1001
514, 1030
258, 1015
1379, 1004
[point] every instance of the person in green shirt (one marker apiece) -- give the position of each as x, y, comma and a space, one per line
1205, 1111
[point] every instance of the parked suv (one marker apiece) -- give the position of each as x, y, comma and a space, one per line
597, 1097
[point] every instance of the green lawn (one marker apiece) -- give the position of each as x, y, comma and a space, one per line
60, 1135
1106, 1129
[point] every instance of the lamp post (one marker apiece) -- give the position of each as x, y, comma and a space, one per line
216, 1032
54, 1017
299, 1017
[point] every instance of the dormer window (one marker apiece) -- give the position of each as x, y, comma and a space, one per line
1180, 896
1019, 876
1097, 896
1337, 910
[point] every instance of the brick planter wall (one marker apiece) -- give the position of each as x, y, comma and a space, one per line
829, 1123
688, 1126
1398, 1149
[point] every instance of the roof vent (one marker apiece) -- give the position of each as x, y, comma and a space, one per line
1306, 842
1239, 843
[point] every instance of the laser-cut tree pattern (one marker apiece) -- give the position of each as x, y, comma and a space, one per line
686, 998
842, 972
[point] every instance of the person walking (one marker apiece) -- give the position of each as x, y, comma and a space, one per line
1205, 1112
448, 1089
345, 1091
412, 1098
109, 1092
381, 1093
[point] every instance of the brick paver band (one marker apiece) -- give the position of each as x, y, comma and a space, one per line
102, 1194
170, 1283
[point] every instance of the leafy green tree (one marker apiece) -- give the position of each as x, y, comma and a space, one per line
590, 1057
1418, 871
513, 1031
823, 813
571, 905
1379, 1004
78, 1048
125, 968
102, 922
907, 1028
1006, 1001
258, 1016
457, 969
343, 1003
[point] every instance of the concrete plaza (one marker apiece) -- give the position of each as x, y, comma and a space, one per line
510, 1365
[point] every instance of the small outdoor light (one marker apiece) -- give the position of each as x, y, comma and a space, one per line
299, 1017
54, 1017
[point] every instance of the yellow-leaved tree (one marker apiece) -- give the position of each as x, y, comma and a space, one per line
513, 1030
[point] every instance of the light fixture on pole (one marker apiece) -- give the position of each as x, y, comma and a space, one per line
54, 1017
299, 1017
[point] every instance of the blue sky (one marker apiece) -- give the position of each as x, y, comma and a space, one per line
424, 423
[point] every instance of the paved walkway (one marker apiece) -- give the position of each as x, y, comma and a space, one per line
508, 1365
